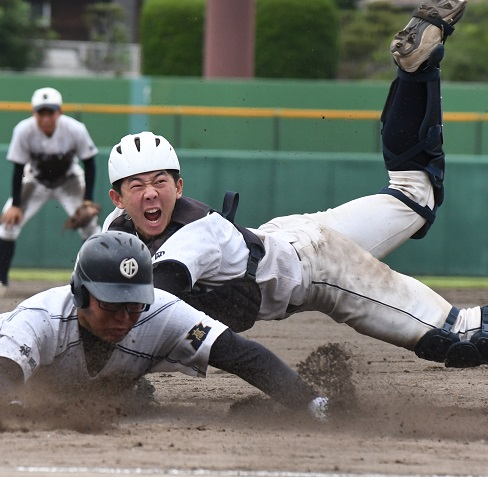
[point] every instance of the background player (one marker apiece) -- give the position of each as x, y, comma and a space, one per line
45, 150
111, 327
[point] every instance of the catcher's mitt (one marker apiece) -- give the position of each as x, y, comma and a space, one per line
83, 215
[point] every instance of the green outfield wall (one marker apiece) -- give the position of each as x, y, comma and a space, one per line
274, 183
285, 146
257, 115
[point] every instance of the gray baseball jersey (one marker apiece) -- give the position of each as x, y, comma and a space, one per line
29, 145
42, 335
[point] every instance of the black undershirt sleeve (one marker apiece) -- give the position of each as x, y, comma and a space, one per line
261, 368
90, 171
17, 176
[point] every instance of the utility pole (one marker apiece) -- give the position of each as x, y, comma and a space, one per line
229, 39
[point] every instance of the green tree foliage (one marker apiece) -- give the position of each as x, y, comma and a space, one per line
347, 4
365, 41
18, 32
106, 26
466, 49
172, 37
366, 36
294, 38
297, 39
106, 22
309, 39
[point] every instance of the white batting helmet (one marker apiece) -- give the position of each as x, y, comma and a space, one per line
139, 153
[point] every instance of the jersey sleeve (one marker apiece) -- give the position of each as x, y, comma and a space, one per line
18, 150
212, 250
186, 339
85, 147
27, 337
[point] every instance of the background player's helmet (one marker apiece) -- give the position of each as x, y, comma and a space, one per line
139, 153
114, 267
46, 98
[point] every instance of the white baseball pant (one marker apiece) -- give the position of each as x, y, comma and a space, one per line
69, 194
345, 281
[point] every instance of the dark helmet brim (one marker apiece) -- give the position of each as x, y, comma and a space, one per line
121, 292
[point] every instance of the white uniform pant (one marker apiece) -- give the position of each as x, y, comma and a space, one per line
342, 279
69, 194
380, 223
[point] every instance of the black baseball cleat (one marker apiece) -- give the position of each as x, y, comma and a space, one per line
463, 354
480, 338
431, 24
467, 354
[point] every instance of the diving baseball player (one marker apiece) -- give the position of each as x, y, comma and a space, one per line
325, 261
45, 150
111, 327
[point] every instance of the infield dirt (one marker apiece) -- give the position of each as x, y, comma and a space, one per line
393, 413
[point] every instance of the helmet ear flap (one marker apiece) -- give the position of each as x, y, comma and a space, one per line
81, 298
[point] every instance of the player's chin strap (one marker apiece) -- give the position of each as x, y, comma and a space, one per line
430, 143
442, 345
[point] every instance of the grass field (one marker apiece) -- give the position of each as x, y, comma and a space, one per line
455, 282
22, 274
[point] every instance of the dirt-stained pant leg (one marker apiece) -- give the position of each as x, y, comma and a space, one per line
347, 283
380, 223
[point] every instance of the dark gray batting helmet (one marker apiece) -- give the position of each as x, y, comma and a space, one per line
114, 267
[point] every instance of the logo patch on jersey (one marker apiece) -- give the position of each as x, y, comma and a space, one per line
158, 255
25, 350
197, 335
129, 267
32, 363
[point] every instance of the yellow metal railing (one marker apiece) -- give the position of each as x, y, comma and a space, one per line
234, 111
275, 114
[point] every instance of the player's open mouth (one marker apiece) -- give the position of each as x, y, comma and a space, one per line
152, 215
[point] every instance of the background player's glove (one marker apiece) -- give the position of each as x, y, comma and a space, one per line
83, 215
